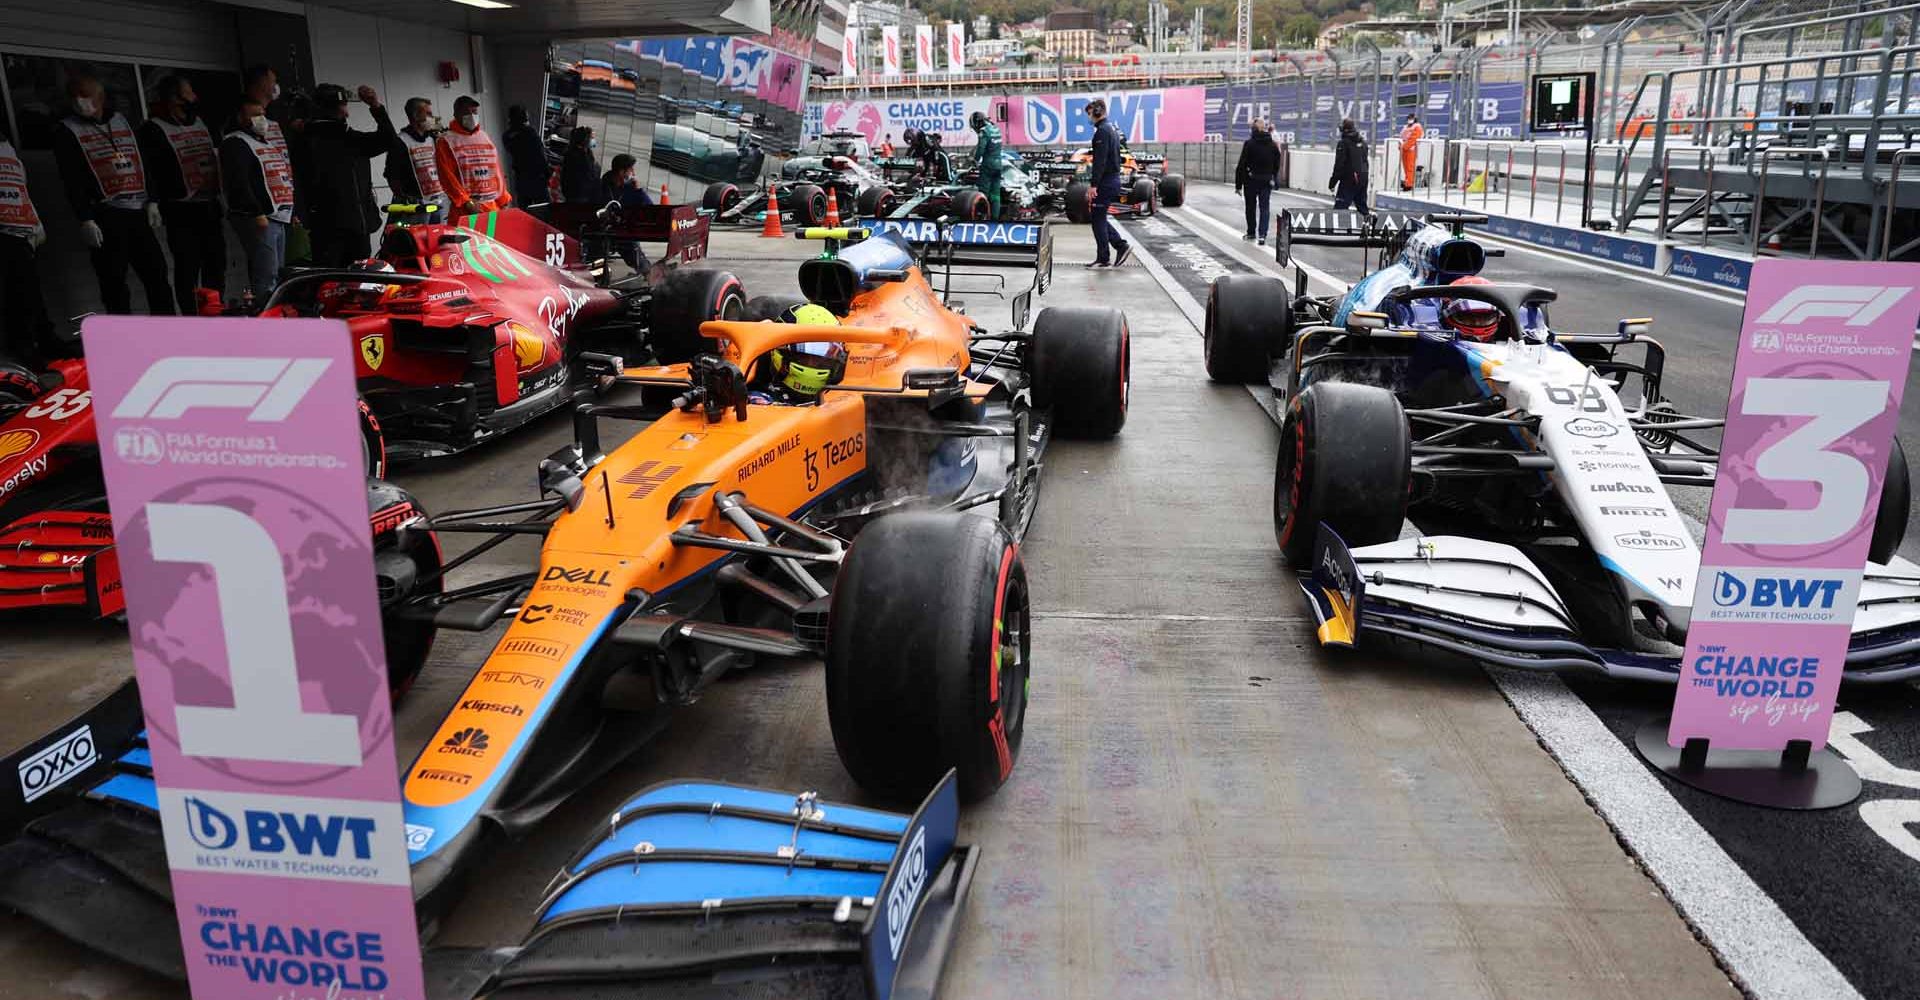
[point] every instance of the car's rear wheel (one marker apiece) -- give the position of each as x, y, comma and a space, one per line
1247, 315
809, 204
1079, 202
970, 205
406, 567
1345, 461
1145, 194
927, 655
1173, 190
877, 203
1080, 369
720, 196
1896, 496
688, 298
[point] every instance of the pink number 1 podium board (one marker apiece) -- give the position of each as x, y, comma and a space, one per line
233, 468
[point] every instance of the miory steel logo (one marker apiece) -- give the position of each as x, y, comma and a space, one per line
1858, 305
267, 388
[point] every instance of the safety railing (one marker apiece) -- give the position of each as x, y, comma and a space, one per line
1819, 196
1704, 160
1887, 250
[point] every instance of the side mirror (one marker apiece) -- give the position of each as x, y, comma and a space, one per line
1359, 321
944, 377
1639, 327
560, 475
602, 365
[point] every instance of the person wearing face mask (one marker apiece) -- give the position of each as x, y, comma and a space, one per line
99, 159
183, 175
260, 83
579, 170
258, 179
528, 156
335, 176
25, 332
411, 171
470, 164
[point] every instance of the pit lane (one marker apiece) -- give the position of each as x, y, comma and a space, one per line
1205, 805
1847, 879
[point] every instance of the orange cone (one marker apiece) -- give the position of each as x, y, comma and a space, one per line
664, 199
771, 228
833, 209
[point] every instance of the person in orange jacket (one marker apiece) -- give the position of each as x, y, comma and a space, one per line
469, 163
1410, 134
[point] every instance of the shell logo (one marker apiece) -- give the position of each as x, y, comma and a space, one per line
529, 348
17, 442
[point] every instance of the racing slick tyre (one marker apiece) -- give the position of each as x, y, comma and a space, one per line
1247, 314
1345, 461
1890, 523
1079, 202
1080, 369
927, 655
720, 196
406, 567
877, 203
373, 444
1173, 190
809, 205
688, 298
1144, 194
765, 307
970, 205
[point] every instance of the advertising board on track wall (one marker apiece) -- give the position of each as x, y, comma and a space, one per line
233, 466
1171, 114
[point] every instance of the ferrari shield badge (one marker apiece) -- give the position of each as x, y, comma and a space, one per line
373, 350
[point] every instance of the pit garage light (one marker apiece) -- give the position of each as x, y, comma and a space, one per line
485, 4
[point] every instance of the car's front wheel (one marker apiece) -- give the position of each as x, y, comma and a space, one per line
406, 569
928, 655
1345, 461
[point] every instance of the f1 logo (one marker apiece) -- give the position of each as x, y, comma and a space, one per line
1859, 305
269, 388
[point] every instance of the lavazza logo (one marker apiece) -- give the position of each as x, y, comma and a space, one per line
50, 768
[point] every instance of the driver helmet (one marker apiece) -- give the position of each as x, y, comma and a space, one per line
18, 385
812, 366
977, 121
1469, 318
910, 136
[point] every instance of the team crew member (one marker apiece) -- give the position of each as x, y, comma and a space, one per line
529, 157
24, 330
1253, 177
183, 175
258, 179
469, 163
1105, 179
1349, 180
412, 172
989, 160
336, 190
886, 145
1410, 134
99, 160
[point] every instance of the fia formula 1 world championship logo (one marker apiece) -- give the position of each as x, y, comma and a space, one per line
267, 388
1858, 305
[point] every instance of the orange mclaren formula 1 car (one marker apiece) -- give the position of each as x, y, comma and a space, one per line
1145, 184
848, 483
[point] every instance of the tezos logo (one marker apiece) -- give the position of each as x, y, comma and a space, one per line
1587, 427
268, 831
267, 388
1859, 305
1731, 591
50, 768
468, 742
1648, 541
906, 890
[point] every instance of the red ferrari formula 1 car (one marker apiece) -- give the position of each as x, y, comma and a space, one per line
467, 329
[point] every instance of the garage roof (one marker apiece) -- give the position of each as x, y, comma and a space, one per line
548, 19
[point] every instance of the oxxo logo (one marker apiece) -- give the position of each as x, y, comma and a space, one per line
267, 831
1858, 305
267, 388
906, 890
1798, 593
50, 768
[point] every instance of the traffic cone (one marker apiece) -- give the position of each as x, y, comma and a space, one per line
771, 228
664, 198
833, 209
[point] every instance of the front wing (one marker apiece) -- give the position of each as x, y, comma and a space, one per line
1488, 602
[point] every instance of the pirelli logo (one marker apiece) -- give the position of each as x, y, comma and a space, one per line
647, 477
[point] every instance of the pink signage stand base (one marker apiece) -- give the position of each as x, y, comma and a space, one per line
1794, 778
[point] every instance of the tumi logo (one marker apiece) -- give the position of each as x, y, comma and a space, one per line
267, 388
50, 768
513, 678
1858, 305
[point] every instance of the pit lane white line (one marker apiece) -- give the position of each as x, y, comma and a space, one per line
1762, 948
1254, 259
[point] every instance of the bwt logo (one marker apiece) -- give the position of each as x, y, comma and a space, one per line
906, 890
268, 388
1730, 591
270, 832
1859, 305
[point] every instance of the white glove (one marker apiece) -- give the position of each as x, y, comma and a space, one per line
91, 235
153, 215
39, 237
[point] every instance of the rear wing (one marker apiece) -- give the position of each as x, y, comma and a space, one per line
681, 228
944, 243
